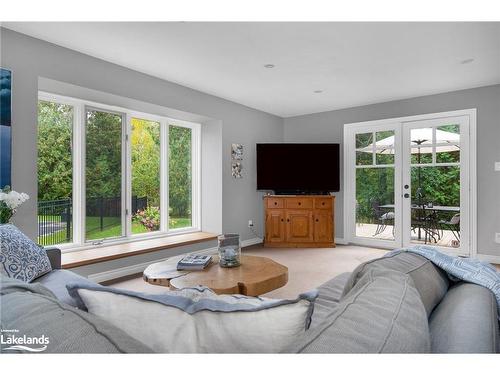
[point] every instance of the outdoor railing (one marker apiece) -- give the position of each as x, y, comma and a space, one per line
55, 217
54, 222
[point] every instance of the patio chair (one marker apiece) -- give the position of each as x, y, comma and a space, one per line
382, 218
453, 224
425, 220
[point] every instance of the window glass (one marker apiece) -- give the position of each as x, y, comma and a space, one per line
103, 175
180, 177
55, 173
145, 148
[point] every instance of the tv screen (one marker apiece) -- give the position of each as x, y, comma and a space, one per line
298, 167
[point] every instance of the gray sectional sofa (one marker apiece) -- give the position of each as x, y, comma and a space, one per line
459, 317
397, 304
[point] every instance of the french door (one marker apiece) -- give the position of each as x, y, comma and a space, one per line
408, 182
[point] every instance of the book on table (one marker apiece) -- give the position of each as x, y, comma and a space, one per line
194, 262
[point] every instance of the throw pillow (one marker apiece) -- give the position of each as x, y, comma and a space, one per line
196, 320
21, 258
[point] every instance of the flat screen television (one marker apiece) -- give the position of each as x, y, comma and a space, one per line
298, 168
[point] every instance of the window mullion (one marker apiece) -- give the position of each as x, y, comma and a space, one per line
196, 176
128, 174
164, 168
79, 175
434, 145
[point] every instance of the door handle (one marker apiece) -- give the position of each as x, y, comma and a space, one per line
406, 195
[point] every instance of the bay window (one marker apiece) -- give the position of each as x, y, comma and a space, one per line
108, 174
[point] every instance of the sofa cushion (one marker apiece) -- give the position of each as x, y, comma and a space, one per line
431, 282
56, 282
10, 285
329, 295
54, 255
465, 321
196, 320
29, 309
383, 313
21, 258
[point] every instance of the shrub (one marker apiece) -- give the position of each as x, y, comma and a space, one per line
149, 217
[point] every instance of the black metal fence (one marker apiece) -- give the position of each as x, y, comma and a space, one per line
55, 217
54, 222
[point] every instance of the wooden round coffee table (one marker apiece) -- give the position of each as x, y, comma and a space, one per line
255, 276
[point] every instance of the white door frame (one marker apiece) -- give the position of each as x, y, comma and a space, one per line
349, 191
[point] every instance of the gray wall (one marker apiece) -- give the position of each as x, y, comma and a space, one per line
30, 58
328, 127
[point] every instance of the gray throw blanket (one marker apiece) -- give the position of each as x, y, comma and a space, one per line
466, 269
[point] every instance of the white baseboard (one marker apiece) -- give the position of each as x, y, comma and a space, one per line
489, 258
251, 241
341, 241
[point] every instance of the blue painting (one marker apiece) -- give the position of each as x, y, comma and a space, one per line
5, 125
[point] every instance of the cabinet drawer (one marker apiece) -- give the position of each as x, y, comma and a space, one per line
275, 203
325, 203
299, 203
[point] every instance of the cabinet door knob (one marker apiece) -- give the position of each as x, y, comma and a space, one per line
317, 220
281, 220
300, 203
287, 220
275, 203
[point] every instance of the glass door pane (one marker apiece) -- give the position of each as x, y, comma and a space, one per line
103, 175
145, 149
375, 181
435, 175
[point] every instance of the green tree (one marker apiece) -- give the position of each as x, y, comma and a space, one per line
54, 163
103, 138
145, 145
179, 171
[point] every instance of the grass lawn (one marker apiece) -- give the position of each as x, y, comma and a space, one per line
112, 228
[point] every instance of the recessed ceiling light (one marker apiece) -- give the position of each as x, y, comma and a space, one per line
318, 91
466, 61
269, 66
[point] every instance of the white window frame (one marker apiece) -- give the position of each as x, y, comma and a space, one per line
78, 159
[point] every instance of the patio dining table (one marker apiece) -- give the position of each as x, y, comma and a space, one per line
426, 207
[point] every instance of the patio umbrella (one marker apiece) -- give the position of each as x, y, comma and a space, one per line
422, 140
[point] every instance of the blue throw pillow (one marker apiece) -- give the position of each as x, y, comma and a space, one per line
21, 258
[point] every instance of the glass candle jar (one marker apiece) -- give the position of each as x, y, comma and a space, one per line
229, 250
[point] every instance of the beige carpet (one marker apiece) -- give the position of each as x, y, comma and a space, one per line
307, 268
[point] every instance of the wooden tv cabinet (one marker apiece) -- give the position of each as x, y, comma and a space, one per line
299, 221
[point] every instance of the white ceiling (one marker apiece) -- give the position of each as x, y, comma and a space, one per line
353, 63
